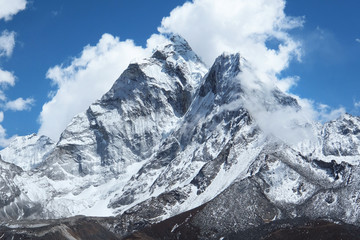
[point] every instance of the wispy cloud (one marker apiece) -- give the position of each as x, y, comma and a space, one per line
358, 40
326, 113
7, 43
55, 13
324, 45
357, 104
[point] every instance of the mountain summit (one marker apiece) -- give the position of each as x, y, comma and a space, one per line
172, 138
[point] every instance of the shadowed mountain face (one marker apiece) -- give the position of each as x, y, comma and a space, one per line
71, 228
176, 150
182, 227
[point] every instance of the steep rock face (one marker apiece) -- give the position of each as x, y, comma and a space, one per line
282, 187
201, 142
342, 137
337, 140
139, 111
9, 190
13, 202
215, 145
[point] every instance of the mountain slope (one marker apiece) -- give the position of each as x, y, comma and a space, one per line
28, 152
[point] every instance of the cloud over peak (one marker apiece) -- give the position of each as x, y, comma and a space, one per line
237, 26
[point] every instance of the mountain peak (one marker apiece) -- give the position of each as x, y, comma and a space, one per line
226, 66
230, 62
176, 46
347, 116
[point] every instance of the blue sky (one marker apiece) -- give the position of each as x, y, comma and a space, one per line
54, 33
330, 66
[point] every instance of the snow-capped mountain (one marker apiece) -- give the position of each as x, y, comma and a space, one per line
171, 136
28, 152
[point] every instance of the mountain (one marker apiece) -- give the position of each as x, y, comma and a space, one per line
217, 152
28, 152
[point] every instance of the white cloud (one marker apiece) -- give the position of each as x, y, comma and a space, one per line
286, 83
213, 26
4, 141
326, 113
7, 43
6, 78
9, 8
19, 104
85, 80
286, 122
358, 40
357, 104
